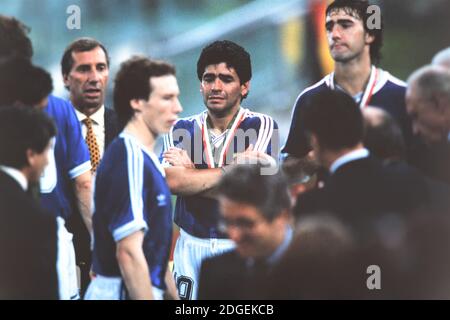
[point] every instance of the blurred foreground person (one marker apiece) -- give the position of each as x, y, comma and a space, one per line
428, 101
133, 211
359, 187
255, 211
28, 234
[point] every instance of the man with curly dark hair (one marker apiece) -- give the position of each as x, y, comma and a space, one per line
199, 149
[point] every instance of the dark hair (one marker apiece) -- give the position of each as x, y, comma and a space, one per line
335, 118
23, 128
21, 82
14, 38
229, 52
245, 184
358, 8
79, 45
383, 136
133, 82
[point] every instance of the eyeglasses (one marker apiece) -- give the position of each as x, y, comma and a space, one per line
241, 223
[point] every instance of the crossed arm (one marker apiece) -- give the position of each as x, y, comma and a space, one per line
184, 179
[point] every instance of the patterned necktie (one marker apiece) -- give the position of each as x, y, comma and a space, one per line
91, 142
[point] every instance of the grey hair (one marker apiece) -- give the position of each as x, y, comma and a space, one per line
442, 58
431, 80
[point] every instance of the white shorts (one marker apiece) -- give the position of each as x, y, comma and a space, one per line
112, 288
189, 253
66, 264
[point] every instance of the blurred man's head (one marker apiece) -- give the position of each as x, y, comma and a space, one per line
14, 39
333, 122
25, 140
23, 83
383, 136
428, 103
147, 90
255, 209
85, 70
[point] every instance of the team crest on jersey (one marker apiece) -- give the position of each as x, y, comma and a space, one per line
161, 199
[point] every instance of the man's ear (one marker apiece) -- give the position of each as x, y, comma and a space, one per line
31, 157
442, 103
313, 140
66, 80
136, 104
369, 38
245, 89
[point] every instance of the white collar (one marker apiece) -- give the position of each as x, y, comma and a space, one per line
98, 117
16, 175
278, 253
229, 136
150, 153
377, 79
348, 157
276, 256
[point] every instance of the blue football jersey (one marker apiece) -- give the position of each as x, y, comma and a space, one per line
68, 158
131, 194
198, 215
383, 91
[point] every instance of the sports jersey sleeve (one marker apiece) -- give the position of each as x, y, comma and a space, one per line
179, 136
78, 160
119, 190
297, 143
167, 143
268, 140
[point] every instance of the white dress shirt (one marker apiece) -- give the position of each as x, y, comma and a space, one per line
351, 156
98, 125
16, 175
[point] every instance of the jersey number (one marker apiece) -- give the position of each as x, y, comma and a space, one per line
185, 286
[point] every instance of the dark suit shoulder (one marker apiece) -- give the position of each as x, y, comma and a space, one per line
111, 125
221, 277
224, 263
28, 243
309, 202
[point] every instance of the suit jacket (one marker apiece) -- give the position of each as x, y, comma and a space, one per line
434, 161
227, 277
111, 126
361, 190
28, 244
438, 191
